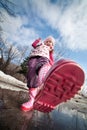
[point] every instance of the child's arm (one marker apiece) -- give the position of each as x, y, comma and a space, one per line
36, 43
51, 58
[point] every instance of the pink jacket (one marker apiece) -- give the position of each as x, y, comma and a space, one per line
41, 50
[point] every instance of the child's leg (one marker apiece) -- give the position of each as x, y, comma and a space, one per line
27, 106
42, 73
35, 80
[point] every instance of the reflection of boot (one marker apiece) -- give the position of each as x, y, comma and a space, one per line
27, 106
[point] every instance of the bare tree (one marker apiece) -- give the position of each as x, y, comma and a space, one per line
6, 54
10, 53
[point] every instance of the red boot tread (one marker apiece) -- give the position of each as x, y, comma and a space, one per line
62, 82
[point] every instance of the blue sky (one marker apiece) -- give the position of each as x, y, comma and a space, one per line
65, 20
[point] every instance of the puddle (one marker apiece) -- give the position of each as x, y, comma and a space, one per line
65, 117
57, 120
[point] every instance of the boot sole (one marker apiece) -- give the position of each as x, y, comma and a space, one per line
62, 82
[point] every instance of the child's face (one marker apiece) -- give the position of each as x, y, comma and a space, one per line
49, 43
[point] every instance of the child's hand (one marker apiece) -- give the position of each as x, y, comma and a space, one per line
36, 42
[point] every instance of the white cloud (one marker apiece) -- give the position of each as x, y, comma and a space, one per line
73, 26
72, 22
15, 31
46, 10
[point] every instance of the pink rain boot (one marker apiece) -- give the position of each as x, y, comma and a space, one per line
28, 106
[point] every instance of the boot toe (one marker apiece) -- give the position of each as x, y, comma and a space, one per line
25, 109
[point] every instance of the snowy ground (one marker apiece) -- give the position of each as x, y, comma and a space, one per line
9, 82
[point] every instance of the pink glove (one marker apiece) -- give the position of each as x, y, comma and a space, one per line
36, 43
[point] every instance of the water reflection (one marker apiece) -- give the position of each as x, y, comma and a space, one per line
57, 120
68, 122
41, 121
65, 117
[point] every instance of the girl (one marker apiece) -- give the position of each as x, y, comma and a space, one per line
40, 61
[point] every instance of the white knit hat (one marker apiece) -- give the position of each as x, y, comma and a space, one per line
51, 39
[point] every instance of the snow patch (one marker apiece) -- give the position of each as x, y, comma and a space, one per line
9, 82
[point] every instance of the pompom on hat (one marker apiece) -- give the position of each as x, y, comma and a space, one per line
50, 38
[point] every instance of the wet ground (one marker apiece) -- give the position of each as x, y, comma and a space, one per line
71, 115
